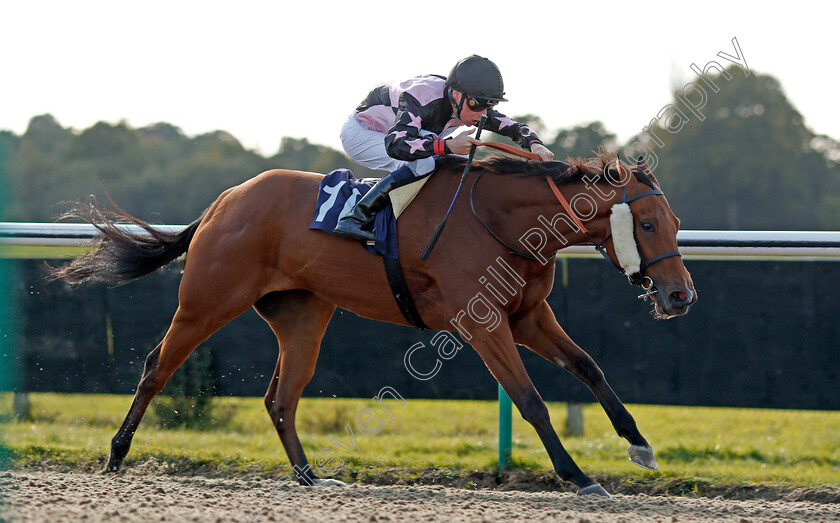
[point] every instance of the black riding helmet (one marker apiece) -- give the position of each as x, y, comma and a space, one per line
478, 78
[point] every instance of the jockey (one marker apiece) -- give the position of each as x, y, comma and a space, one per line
402, 127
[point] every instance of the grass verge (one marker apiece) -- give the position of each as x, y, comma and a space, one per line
701, 451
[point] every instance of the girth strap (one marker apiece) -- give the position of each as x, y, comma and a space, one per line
396, 279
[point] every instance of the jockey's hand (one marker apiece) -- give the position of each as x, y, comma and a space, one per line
542, 151
462, 143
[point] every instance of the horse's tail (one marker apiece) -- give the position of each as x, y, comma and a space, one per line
121, 255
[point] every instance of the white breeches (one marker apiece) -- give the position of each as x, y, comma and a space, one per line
367, 148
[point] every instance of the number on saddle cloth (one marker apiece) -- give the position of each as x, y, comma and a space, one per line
337, 194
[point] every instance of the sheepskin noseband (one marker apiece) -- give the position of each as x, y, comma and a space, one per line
624, 242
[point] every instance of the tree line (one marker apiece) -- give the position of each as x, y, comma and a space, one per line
752, 163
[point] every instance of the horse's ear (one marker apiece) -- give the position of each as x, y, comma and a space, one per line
622, 170
642, 164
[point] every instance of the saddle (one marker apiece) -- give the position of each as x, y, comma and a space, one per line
338, 193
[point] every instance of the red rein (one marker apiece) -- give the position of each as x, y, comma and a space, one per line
533, 156
512, 150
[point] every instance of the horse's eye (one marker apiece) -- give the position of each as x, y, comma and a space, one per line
648, 227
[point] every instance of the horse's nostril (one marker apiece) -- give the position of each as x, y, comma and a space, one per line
679, 297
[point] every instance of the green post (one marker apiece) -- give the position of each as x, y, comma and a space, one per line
8, 363
505, 423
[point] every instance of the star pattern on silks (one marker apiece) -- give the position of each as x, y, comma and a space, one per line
416, 144
504, 121
399, 134
415, 121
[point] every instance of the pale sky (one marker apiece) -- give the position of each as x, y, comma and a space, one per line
263, 70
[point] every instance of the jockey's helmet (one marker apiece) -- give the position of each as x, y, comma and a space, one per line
477, 77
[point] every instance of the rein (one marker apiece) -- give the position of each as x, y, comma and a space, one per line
493, 234
638, 278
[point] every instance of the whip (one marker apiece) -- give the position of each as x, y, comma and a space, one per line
433, 240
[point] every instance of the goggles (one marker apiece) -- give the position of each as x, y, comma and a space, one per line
480, 104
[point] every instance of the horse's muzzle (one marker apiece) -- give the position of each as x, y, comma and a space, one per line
679, 301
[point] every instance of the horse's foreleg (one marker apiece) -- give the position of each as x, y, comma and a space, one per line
499, 353
538, 330
299, 319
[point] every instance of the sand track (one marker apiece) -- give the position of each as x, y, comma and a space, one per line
59, 496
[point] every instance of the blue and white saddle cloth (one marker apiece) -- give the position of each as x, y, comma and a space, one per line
338, 193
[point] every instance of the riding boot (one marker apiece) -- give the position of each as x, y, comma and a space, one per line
355, 225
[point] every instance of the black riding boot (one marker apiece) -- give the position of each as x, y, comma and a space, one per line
354, 225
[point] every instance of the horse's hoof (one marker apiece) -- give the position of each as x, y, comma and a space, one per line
595, 489
642, 456
112, 467
318, 482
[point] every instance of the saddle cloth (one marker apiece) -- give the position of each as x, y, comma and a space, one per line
338, 193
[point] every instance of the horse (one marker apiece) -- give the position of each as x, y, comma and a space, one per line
252, 248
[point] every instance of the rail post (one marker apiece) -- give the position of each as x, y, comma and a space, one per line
505, 426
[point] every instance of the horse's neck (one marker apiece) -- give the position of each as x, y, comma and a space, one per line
596, 222
536, 217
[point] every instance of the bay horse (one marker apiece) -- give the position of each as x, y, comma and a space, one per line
252, 248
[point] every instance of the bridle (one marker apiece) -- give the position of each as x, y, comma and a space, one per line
636, 278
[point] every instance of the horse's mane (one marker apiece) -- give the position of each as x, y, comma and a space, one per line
572, 170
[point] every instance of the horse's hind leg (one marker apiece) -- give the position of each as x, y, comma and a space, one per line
538, 330
200, 314
299, 319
